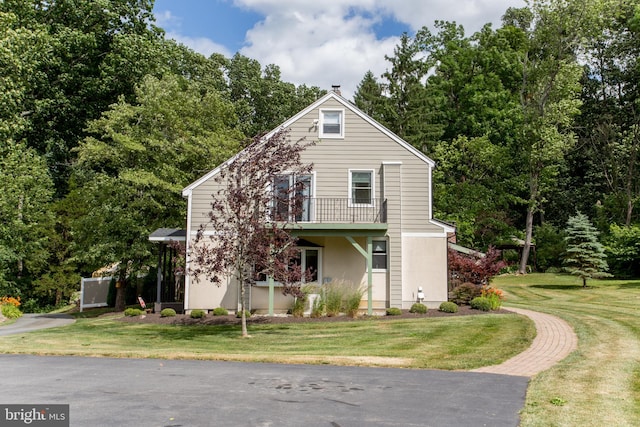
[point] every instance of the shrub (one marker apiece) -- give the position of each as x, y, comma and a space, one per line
481, 303
168, 312
464, 293
394, 311
247, 314
197, 314
418, 308
220, 311
10, 311
131, 312
479, 271
449, 307
494, 295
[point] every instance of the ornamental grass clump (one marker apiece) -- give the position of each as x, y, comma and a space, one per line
351, 299
341, 296
394, 311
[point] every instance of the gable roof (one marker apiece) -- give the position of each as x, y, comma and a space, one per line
348, 105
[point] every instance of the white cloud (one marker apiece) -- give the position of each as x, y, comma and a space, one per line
320, 49
202, 45
333, 41
322, 43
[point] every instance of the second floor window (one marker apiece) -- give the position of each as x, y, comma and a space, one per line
331, 124
292, 197
361, 187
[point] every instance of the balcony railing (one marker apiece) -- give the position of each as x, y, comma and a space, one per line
332, 210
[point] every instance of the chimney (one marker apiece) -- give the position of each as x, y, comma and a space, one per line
336, 89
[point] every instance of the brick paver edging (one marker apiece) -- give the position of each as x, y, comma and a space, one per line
554, 341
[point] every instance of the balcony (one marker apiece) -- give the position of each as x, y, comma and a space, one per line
315, 210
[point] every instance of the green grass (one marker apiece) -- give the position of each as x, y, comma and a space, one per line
599, 384
464, 342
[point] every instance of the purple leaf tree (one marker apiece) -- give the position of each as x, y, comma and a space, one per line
248, 234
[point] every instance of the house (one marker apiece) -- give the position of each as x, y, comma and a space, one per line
368, 219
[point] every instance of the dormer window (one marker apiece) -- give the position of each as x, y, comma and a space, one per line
331, 123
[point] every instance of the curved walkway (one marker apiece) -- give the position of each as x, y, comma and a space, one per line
554, 341
32, 322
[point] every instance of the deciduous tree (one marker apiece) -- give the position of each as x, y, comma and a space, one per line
247, 235
131, 170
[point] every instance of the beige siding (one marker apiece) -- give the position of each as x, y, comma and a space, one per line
364, 147
400, 176
395, 209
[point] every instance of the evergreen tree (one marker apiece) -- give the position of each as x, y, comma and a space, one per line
585, 256
369, 98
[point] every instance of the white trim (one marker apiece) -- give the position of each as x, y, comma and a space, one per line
373, 242
448, 228
264, 283
187, 277
431, 235
352, 203
392, 163
321, 114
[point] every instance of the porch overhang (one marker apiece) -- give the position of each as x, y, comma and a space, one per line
339, 229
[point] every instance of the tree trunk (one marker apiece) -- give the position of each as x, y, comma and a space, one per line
120, 294
531, 208
20, 216
245, 334
527, 241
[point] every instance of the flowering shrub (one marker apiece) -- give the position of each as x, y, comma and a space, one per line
494, 295
10, 300
9, 307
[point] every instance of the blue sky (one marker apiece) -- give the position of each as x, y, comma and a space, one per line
316, 42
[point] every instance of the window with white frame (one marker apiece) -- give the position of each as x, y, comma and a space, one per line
309, 259
331, 123
380, 257
361, 187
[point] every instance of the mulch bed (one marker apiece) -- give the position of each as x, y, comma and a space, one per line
183, 319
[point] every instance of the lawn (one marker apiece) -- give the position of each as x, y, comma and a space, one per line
464, 342
598, 385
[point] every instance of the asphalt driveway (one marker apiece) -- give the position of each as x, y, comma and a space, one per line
149, 392
32, 322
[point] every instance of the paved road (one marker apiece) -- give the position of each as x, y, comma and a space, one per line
131, 392
32, 322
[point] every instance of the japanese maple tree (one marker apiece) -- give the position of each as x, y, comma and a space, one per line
244, 237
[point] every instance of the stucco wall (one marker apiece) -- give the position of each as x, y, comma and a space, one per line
424, 263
